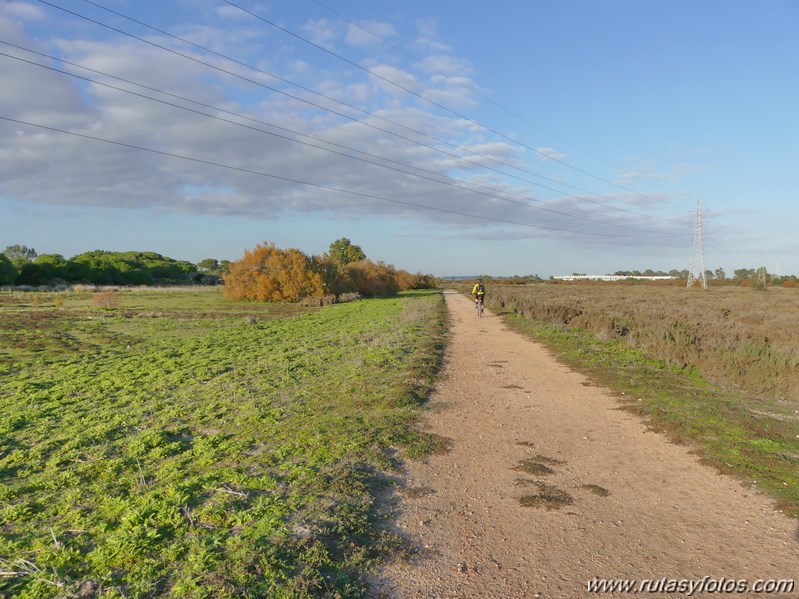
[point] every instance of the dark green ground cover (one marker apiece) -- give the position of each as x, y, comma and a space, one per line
185, 445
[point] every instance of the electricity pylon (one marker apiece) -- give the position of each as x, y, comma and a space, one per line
761, 275
698, 256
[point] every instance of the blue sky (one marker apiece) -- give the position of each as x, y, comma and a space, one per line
445, 137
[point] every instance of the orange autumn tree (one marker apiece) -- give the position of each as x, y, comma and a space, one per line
373, 279
270, 274
407, 281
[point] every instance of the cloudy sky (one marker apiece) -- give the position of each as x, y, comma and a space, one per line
454, 138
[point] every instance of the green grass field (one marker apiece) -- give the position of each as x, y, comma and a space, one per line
184, 445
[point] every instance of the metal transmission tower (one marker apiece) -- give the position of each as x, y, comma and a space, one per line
698, 257
761, 275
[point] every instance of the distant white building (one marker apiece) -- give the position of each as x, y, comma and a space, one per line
613, 277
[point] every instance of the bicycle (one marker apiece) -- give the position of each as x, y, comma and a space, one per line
479, 307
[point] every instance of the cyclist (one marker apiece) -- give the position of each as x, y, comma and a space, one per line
479, 291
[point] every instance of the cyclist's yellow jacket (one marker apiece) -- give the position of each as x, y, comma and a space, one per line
476, 291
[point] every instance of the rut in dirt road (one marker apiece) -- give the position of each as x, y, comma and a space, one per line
548, 485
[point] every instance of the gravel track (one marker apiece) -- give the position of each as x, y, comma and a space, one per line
548, 484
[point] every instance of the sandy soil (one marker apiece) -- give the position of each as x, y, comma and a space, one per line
619, 501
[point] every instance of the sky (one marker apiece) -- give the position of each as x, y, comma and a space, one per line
450, 138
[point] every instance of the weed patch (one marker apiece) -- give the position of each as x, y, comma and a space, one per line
596, 490
548, 497
533, 467
549, 461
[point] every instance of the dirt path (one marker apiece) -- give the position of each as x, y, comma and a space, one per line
641, 507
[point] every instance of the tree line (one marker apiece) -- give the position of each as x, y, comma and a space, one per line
269, 273
20, 265
739, 275
266, 273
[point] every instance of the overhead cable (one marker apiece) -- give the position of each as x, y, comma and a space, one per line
417, 132
449, 181
433, 102
301, 182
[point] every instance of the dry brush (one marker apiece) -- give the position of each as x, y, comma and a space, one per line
735, 337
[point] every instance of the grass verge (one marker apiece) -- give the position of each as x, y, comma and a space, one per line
174, 448
754, 439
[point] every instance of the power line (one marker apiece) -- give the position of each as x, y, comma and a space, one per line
326, 97
416, 142
473, 188
306, 89
433, 102
301, 182
448, 77
472, 91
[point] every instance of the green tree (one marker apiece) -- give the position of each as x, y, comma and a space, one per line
31, 273
720, 274
46, 269
78, 271
20, 252
344, 251
95, 267
8, 273
134, 268
208, 265
20, 255
53, 268
210, 271
161, 269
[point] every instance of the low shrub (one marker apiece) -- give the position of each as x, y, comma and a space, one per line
106, 300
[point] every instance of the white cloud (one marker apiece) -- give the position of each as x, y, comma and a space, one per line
368, 33
550, 154
394, 80
454, 97
21, 10
643, 170
322, 32
49, 168
235, 41
450, 66
428, 40
685, 169
231, 12
644, 175
300, 66
498, 150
